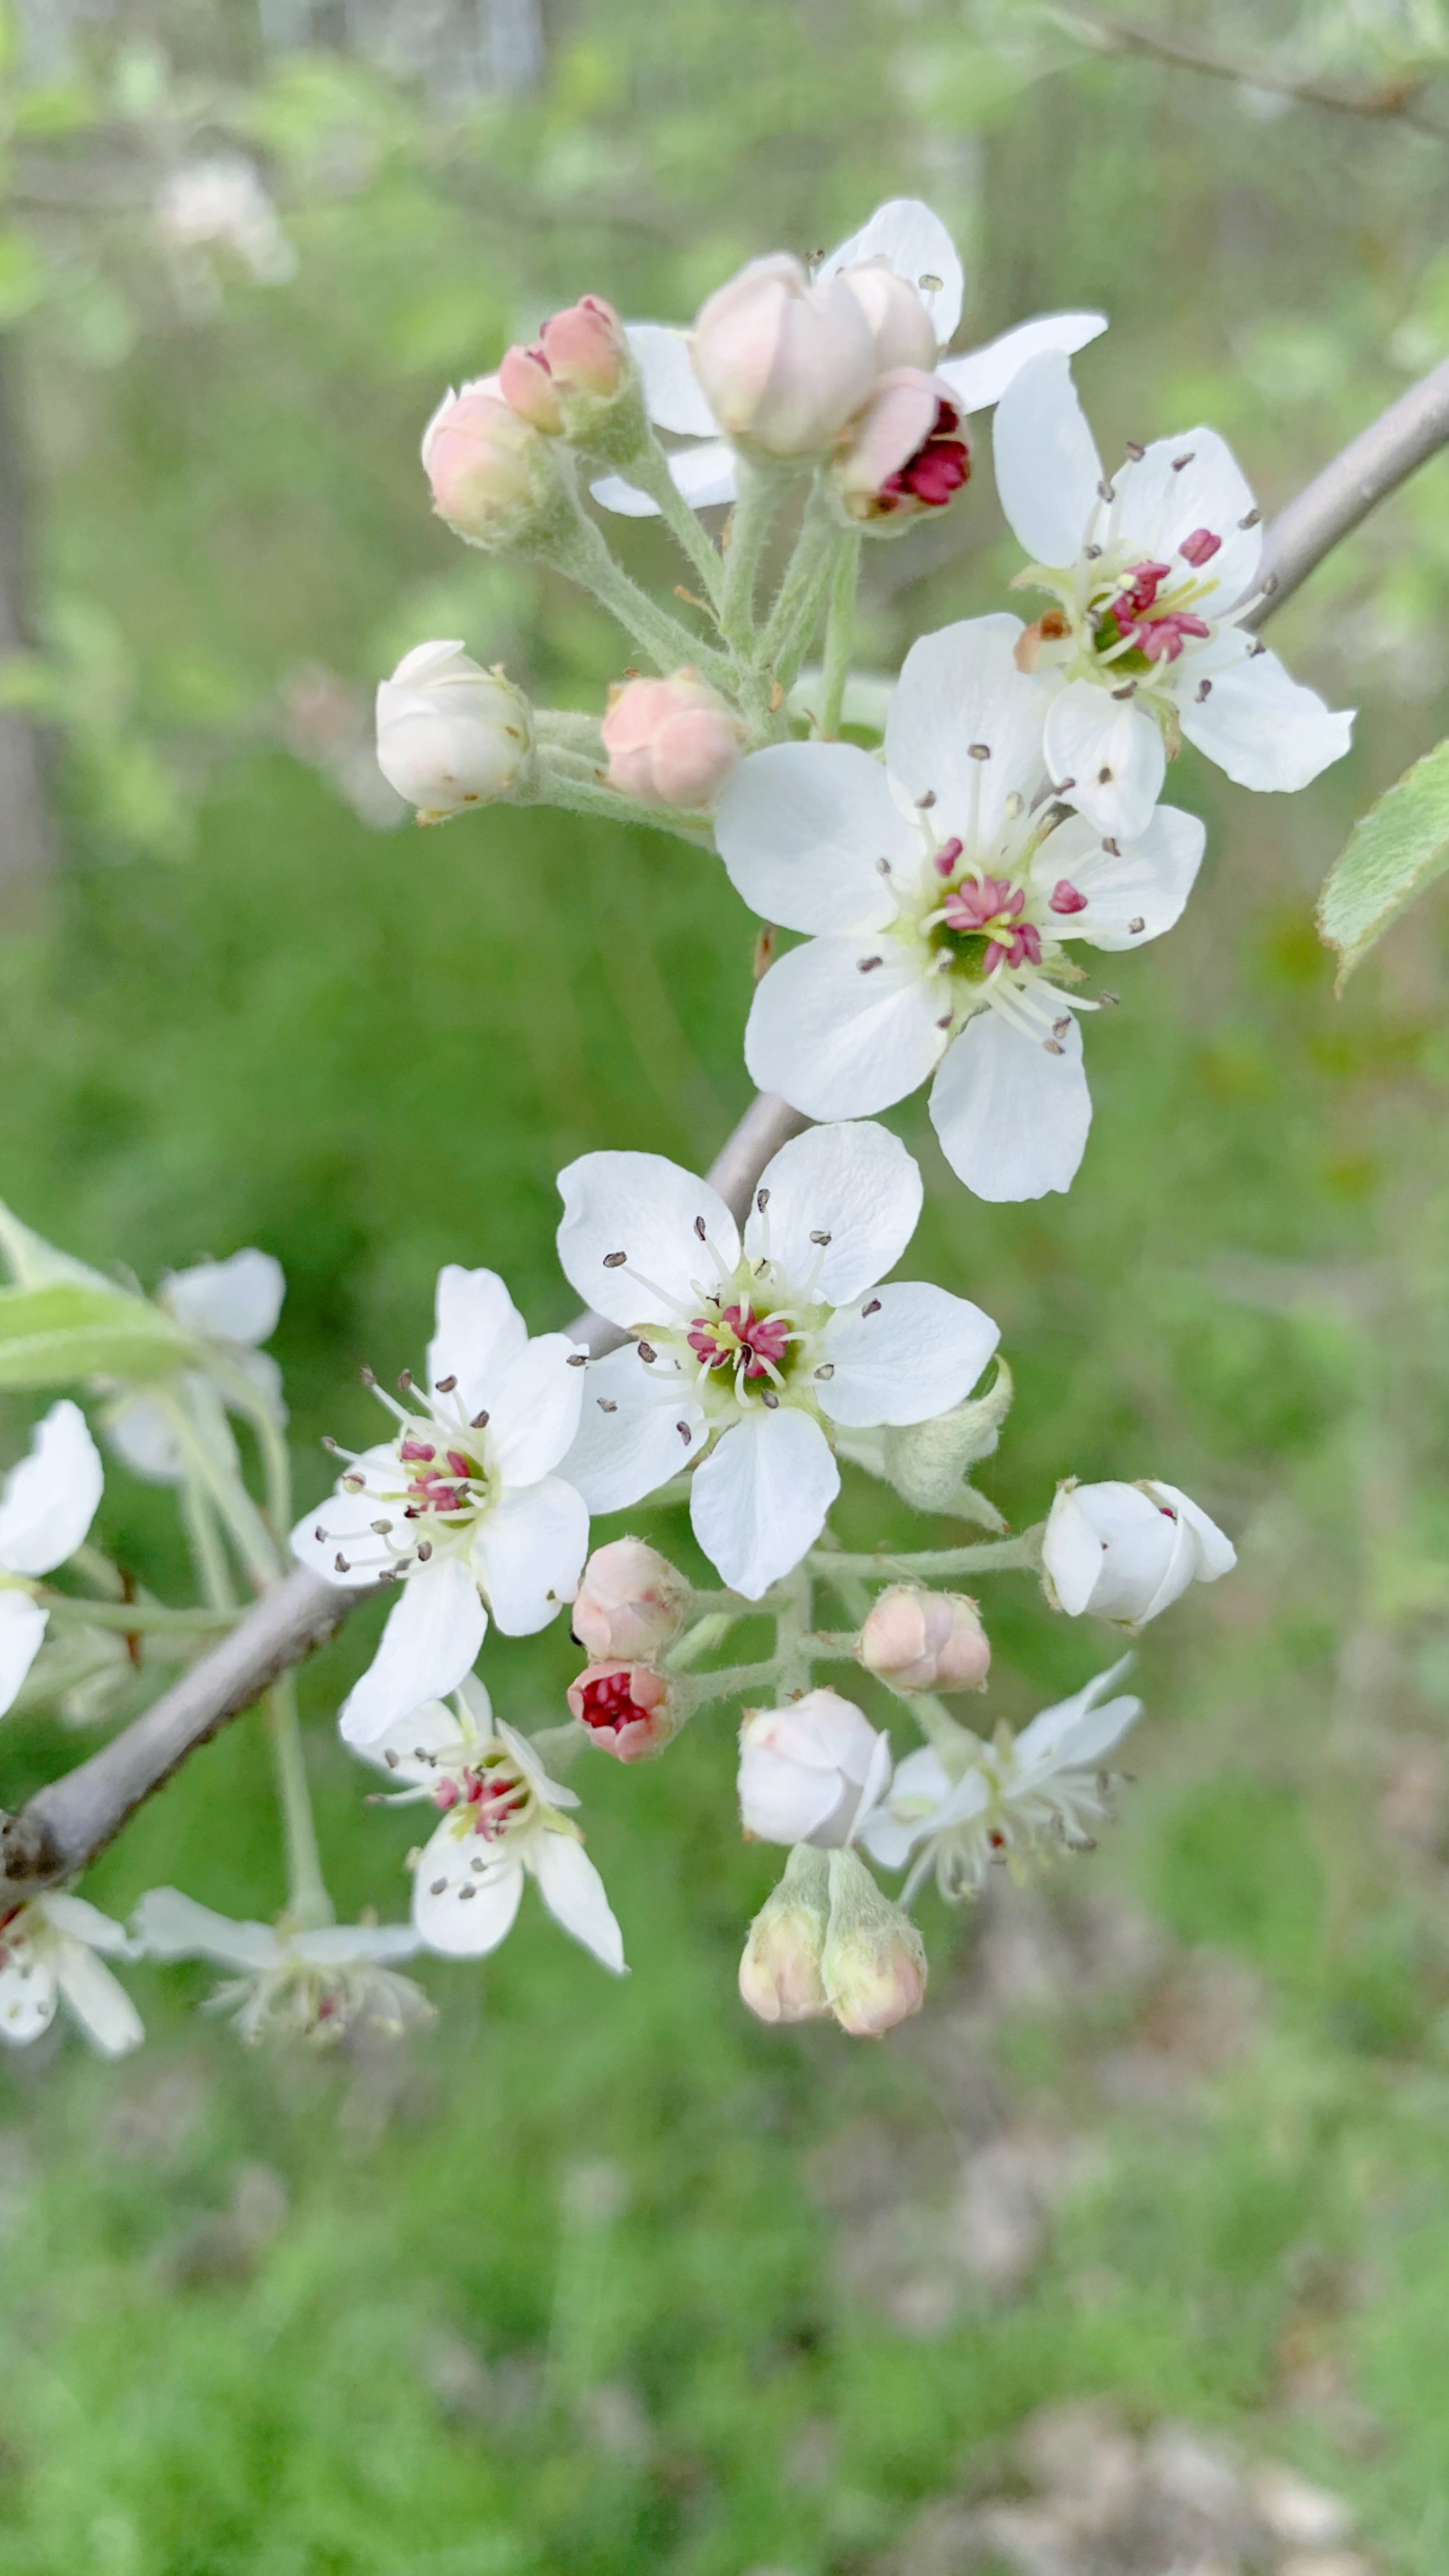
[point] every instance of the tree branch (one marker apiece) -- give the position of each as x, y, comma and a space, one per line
1374, 464
1395, 99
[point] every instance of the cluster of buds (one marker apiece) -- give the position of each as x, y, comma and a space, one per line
630, 1608
828, 1941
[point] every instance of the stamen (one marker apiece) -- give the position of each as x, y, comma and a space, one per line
445, 1386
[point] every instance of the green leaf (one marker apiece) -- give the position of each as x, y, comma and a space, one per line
53, 1335
1399, 848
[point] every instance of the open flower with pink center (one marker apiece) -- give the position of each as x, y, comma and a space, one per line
904, 282
1152, 571
908, 452
939, 892
501, 1820
747, 1351
462, 1507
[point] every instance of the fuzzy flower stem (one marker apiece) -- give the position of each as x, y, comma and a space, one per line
575, 781
138, 1618
838, 630
804, 588
648, 468
731, 1682
760, 487
998, 1556
308, 1902
580, 550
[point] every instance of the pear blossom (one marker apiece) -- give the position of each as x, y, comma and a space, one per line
47, 1504
1127, 1552
747, 1352
461, 1507
317, 1985
907, 452
810, 1771
904, 277
229, 1307
580, 362
449, 733
631, 1602
873, 1966
491, 471
502, 1820
1006, 1799
780, 1974
629, 1709
925, 1641
940, 891
51, 1953
1152, 572
671, 742
783, 361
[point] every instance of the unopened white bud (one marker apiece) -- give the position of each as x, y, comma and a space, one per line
449, 733
874, 1961
784, 363
810, 1771
1126, 1552
780, 1976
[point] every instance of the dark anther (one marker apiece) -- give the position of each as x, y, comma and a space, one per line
700, 1228
883, 867
329, 1443
1104, 777
577, 1359
1135, 450
340, 1563
866, 965
606, 1404
1178, 462
647, 1352
762, 1200
1135, 926
686, 1435
924, 803
1054, 1046
615, 1260
320, 1534
979, 750
367, 1377
1105, 491
770, 1400
873, 1308
1204, 690
445, 1386
821, 1239
381, 1528
1113, 849
826, 1369
480, 1420
1093, 554
1251, 520
1130, 691
425, 1549
404, 1381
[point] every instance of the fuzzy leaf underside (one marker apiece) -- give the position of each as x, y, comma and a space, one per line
1397, 850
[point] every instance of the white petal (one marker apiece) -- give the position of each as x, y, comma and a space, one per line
478, 1333
760, 1499
573, 1891
22, 1627
27, 1996
919, 249
673, 395
801, 828
1266, 730
142, 1432
921, 1352
49, 1500
231, 1301
1078, 1731
336, 1945
168, 1925
1215, 1550
1135, 891
534, 1410
705, 475
624, 499
957, 688
1047, 466
98, 2000
529, 1553
630, 1451
81, 1921
1072, 1552
1161, 500
648, 1209
854, 1183
982, 376
432, 1635
345, 1522
1106, 756
415, 1747
1012, 1119
839, 1036
552, 1792
783, 1802
458, 1910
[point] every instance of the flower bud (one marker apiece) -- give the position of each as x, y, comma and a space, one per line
784, 364
874, 1962
907, 452
630, 1603
526, 383
671, 742
629, 1709
1127, 1551
491, 470
450, 734
587, 350
925, 1641
780, 1976
810, 1771
901, 328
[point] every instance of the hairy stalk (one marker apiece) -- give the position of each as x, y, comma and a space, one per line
203, 1536
572, 779
760, 487
580, 550
649, 470
139, 1618
839, 626
803, 590
998, 1556
732, 1680
308, 1902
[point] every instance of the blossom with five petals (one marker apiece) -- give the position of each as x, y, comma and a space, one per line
50, 1954
939, 891
1152, 573
317, 1985
462, 1507
47, 1504
755, 1348
1127, 1552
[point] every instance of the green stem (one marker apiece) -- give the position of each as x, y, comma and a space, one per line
308, 1902
839, 627
760, 487
233, 1505
802, 594
571, 779
205, 1542
649, 471
92, 1567
705, 1688
1000, 1556
137, 1618
579, 549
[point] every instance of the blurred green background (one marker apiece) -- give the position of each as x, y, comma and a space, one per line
597, 2278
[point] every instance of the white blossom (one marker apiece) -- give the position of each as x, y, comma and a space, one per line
502, 1821
940, 891
907, 279
229, 1307
47, 1504
754, 1349
449, 733
50, 1954
222, 203
461, 1507
316, 1985
1006, 1799
1152, 573
1127, 1551
810, 1771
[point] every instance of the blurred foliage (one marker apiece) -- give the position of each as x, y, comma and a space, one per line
570, 2286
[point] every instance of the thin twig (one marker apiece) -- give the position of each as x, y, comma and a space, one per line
1395, 100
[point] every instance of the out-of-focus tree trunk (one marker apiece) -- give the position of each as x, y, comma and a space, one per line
515, 44
26, 845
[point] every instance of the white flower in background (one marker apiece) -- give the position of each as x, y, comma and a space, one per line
1127, 1551
502, 1821
905, 280
462, 1506
755, 1350
810, 1771
49, 1955
940, 890
1013, 1797
449, 733
47, 1504
1153, 572
233, 1306
319, 1985
221, 204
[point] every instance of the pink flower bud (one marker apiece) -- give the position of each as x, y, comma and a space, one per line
526, 383
671, 742
926, 1641
902, 329
627, 1708
630, 1602
907, 452
784, 364
586, 349
490, 469
780, 1975
874, 1961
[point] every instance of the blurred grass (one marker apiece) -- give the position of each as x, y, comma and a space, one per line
565, 2286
